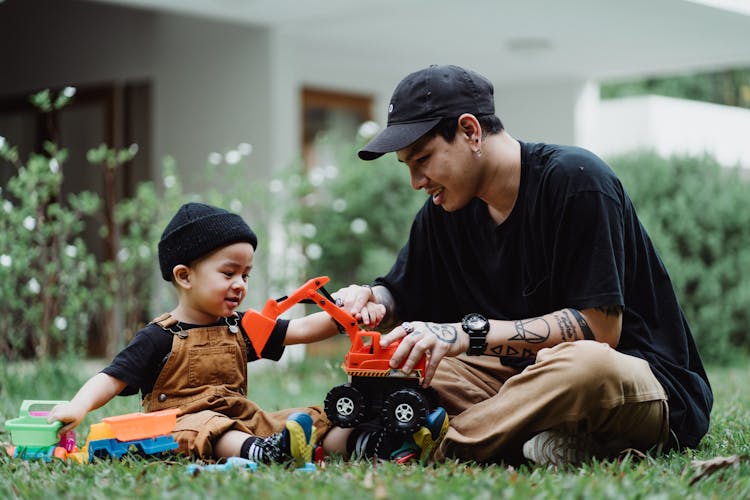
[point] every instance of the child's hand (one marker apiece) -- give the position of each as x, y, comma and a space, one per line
361, 303
372, 314
69, 414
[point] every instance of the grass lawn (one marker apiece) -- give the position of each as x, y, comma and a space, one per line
672, 476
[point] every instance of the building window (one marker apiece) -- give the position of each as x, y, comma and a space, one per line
330, 119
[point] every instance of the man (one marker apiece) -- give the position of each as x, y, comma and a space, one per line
549, 323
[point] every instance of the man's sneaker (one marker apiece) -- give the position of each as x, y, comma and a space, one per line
302, 435
370, 441
422, 443
560, 448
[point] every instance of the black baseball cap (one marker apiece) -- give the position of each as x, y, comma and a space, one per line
425, 97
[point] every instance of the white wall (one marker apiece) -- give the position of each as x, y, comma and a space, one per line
543, 112
211, 81
211, 92
674, 126
213, 84
540, 112
219, 84
46, 44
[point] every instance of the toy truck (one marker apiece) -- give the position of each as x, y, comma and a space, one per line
34, 438
145, 433
374, 390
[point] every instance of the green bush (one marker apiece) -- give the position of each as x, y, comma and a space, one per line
52, 288
47, 275
698, 216
348, 220
53, 292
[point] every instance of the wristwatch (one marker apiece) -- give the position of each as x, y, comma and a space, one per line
477, 327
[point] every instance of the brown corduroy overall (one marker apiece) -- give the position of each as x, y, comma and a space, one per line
205, 376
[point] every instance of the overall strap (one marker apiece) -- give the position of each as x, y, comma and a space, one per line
166, 321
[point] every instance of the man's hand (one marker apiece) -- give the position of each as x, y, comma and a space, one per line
431, 340
360, 302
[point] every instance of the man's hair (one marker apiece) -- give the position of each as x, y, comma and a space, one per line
447, 127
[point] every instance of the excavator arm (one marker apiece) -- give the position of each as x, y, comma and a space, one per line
259, 325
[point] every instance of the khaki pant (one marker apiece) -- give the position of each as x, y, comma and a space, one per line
581, 387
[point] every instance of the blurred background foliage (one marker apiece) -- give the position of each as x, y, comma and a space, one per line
729, 87
698, 216
343, 218
350, 218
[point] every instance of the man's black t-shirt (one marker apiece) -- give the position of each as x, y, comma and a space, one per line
140, 363
573, 239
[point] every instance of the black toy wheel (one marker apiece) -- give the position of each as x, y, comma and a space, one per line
405, 411
344, 406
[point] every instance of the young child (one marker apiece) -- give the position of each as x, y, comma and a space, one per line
195, 357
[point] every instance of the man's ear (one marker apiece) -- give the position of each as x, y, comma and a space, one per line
181, 274
469, 126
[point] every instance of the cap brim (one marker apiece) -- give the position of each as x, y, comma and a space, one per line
395, 136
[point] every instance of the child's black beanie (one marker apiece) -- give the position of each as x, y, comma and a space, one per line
196, 230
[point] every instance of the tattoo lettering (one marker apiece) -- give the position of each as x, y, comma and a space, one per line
567, 328
533, 331
506, 351
445, 333
610, 310
585, 328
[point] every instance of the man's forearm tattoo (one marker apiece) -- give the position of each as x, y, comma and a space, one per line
533, 331
567, 327
445, 333
507, 351
582, 323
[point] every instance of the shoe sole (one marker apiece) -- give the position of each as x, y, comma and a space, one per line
300, 443
423, 439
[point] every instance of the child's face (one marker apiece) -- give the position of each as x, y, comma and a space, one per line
219, 281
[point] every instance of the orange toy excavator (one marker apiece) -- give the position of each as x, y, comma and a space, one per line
374, 390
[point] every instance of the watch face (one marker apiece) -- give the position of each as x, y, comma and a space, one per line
476, 322
477, 327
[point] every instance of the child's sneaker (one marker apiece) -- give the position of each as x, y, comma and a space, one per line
301, 438
294, 443
422, 443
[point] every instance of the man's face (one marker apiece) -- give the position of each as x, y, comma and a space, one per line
445, 170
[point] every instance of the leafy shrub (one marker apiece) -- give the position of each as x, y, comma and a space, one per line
52, 288
47, 274
698, 215
348, 219
53, 292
